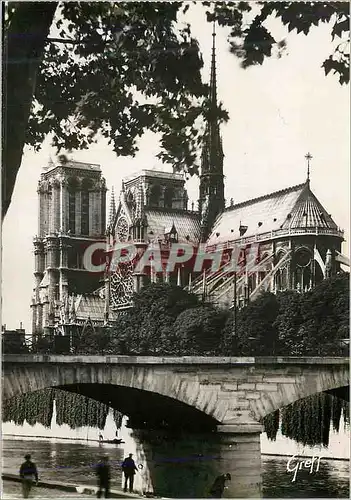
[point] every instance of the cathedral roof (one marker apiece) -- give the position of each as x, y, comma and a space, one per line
90, 307
79, 165
308, 212
282, 211
159, 174
186, 223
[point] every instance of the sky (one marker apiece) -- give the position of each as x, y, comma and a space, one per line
278, 112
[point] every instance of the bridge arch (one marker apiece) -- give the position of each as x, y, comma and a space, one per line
281, 391
89, 378
146, 409
223, 391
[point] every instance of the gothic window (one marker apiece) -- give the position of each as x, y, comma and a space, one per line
56, 257
72, 211
169, 197
155, 195
49, 201
281, 276
72, 259
266, 268
79, 258
303, 278
303, 257
281, 279
85, 212
122, 229
130, 199
252, 282
303, 269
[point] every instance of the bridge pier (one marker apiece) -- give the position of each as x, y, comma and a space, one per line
240, 455
185, 465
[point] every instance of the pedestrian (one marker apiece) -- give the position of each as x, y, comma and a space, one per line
103, 475
28, 473
218, 486
101, 437
129, 468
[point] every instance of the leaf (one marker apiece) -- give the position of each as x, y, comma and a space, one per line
340, 28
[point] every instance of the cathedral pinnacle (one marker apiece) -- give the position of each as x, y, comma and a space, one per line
212, 155
211, 200
112, 212
213, 80
308, 157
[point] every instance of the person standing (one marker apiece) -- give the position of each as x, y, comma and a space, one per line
129, 468
218, 486
104, 475
28, 473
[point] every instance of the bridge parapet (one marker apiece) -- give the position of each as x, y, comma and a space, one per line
229, 390
181, 360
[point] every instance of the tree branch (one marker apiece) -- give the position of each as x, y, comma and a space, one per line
22, 54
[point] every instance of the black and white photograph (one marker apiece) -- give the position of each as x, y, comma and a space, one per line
175, 255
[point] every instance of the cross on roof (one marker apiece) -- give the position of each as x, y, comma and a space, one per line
308, 158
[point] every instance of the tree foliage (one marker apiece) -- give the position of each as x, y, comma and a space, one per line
255, 331
198, 331
308, 421
325, 316
93, 340
124, 68
115, 69
293, 324
167, 320
147, 328
252, 41
271, 425
72, 409
288, 323
13, 343
34, 407
76, 70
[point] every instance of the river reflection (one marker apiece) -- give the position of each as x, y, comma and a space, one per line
331, 481
66, 461
69, 461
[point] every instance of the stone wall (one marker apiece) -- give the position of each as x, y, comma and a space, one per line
236, 391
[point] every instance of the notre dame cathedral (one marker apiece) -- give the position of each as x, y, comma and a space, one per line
299, 243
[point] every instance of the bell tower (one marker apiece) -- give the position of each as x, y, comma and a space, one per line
211, 195
72, 207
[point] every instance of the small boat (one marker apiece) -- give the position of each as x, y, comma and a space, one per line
111, 441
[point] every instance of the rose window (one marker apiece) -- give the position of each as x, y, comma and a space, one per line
122, 285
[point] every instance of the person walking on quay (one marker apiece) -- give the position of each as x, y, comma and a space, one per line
218, 486
129, 468
104, 476
28, 473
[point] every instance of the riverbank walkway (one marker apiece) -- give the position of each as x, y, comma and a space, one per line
11, 489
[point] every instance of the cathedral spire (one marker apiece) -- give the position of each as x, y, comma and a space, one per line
112, 208
211, 199
308, 157
213, 79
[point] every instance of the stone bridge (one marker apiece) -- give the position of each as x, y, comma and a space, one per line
230, 395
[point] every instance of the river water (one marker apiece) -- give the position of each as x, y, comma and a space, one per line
73, 459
